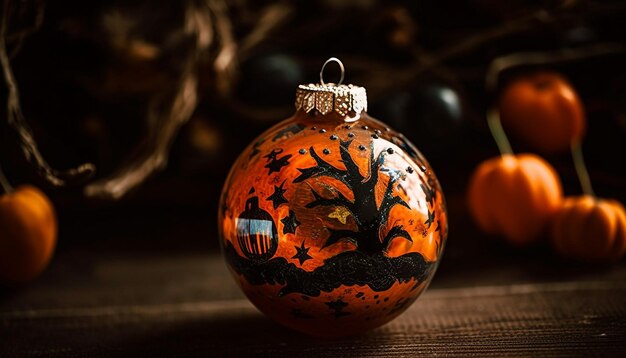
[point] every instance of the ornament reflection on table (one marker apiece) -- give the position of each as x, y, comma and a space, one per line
331, 222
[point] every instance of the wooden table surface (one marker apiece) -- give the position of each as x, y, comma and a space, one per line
134, 295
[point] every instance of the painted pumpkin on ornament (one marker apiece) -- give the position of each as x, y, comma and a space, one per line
331, 222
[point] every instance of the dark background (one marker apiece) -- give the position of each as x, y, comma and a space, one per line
90, 70
85, 95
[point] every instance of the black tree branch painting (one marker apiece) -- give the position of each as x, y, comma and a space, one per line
368, 216
367, 265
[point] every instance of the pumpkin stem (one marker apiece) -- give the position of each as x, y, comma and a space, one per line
581, 168
497, 132
4, 183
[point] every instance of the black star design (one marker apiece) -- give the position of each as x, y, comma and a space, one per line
431, 218
273, 154
430, 194
293, 129
278, 198
338, 307
302, 254
439, 229
290, 223
275, 164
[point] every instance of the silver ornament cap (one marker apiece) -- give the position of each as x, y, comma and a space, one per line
345, 100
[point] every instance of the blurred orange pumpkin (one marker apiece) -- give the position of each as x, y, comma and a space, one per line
514, 196
590, 229
28, 230
544, 111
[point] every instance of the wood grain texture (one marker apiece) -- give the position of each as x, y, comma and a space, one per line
187, 304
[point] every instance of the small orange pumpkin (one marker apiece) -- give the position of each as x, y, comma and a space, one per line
514, 196
28, 233
590, 229
544, 111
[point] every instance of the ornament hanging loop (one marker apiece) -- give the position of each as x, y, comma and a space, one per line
343, 70
345, 100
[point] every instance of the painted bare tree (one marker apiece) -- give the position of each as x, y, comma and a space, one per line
369, 217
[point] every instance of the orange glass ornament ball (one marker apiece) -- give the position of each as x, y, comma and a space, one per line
332, 223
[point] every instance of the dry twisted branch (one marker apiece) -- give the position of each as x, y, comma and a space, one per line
17, 123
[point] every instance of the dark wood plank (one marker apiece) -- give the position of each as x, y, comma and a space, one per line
187, 304
550, 319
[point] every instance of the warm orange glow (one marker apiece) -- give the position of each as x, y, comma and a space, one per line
590, 229
514, 196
